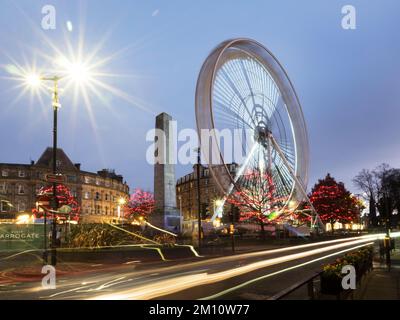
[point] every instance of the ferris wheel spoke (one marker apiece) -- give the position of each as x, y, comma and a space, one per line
231, 114
287, 182
237, 92
246, 77
235, 69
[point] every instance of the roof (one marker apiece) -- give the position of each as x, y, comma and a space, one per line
46, 160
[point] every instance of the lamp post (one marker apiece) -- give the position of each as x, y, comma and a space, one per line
121, 202
35, 80
198, 198
77, 72
181, 214
56, 105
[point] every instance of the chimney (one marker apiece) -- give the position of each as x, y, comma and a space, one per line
78, 166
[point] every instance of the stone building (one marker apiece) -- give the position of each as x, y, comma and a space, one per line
210, 196
98, 194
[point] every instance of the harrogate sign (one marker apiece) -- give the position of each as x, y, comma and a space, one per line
16, 237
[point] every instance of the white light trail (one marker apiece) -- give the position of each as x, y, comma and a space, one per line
222, 293
179, 283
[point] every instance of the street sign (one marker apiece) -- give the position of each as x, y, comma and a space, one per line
65, 209
55, 178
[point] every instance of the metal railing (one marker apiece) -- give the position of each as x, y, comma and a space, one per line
310, 288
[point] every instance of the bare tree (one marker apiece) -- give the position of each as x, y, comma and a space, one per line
381, 187
368, 182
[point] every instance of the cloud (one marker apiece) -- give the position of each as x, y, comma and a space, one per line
155, 13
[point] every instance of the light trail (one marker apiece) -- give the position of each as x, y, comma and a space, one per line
222, 293
159, 229
180, 283
134, 234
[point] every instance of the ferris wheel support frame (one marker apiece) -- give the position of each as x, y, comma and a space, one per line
315, 216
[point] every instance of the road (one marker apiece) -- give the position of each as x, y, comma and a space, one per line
254, 275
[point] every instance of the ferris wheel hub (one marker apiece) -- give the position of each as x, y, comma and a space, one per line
261, 134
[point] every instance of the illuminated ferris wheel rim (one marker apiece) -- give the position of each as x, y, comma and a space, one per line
205, 116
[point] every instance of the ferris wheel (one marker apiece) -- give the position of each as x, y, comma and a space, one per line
243, 88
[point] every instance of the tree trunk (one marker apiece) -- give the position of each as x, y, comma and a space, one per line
262, 230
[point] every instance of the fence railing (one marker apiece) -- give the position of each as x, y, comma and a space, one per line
309, 282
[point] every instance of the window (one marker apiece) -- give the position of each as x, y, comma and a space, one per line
4, 173
58, 163
20, 189
21, 206
97, 197
107, 184
98, 182
87, 180
4, 206
21, 173
3, 187
106, 197
87, 195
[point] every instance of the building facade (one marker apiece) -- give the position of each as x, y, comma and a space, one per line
211, 197
98, 194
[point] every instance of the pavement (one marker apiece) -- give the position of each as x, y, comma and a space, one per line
381, 284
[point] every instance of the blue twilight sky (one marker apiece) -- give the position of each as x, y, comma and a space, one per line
347, 80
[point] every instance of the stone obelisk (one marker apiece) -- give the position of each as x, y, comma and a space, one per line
166, 214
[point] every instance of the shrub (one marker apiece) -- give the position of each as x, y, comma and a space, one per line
90, 235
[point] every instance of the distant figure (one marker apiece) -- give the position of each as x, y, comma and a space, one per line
58, 238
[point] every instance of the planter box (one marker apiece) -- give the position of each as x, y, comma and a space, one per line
331, 285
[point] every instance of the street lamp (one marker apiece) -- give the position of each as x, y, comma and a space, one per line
198, 196
78, 73
121, 202
35, 80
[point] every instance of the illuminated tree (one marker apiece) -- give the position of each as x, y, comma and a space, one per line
64, 198
334, 203
256, 199
140, 205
